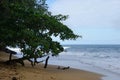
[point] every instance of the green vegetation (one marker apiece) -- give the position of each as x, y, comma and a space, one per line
29, 25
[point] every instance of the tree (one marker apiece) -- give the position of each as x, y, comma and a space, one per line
29, 25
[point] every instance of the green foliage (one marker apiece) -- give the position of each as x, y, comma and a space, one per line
29, 25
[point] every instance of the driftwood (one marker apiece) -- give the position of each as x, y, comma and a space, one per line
63, 68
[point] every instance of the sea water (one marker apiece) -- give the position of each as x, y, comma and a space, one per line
103, 59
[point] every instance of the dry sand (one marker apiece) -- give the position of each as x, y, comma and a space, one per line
39, 73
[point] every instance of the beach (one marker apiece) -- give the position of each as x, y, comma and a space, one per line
28, 72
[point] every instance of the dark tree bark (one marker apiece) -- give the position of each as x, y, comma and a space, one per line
46, 62
10, 57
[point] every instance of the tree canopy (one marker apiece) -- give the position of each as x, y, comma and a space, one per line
29, 25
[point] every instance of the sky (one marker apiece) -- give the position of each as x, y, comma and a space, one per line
98, 21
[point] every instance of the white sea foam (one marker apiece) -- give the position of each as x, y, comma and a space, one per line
66, 47
109, 68
105, 62
15, 49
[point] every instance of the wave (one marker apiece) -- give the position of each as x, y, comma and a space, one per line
66, 47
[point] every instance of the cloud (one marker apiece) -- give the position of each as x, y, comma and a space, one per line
88, 13
98, 21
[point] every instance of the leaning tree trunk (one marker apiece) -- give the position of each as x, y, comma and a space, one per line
46, 62
10, 57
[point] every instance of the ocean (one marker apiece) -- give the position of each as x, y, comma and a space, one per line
102, 59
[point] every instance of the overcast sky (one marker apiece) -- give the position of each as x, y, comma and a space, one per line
98, 21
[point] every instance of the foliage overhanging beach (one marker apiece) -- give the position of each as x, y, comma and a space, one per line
28, 25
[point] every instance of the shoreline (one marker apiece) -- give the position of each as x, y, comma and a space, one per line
39, 73
106, 74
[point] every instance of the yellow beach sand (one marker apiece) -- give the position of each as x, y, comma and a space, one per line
39, 73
